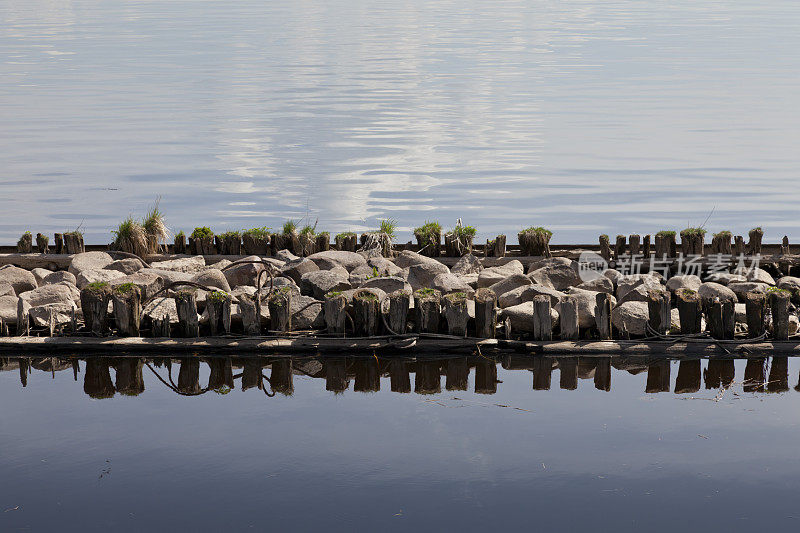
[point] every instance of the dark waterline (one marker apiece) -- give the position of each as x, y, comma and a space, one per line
587, 443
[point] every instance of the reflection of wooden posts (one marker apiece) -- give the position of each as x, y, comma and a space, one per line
427, 379
368, 377
756, 308
280, 310
130, 381
218, 306
399, 303
335, 374
456, 374
221, 373
713, 374
127, 300
688, 379
602, 374
94, 303
23, 373
282, 376
690, 311
658, 377
568, 318
542, 373
485, 377
603, 315
605, 248
568, 373
333, 309
454, 308
189, 376
188, 320
542, 323
427, 305
399, 378
779, 375
97, 379
586, 367
485, 313
779, 305
366, 313
754, 375
251, 374
658, 306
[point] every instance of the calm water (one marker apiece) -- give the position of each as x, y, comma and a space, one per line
590, 445
584, 116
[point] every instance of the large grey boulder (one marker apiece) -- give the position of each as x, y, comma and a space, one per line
688, 281
295, 269
614, 276
86, 277
489, 276
759, 275
467, 264
643, 282
8, 309
307, 313
710, 290
587, 306
60, 313
599, 284
127, 266
160, 307
724, 278
40, 274
50, 294
741, 288
383, 266
148, 282
319, 282
631, 317
387, 284
246, 273
348, 260
789, 283
361, 274
212, 278
510, 283
169, 276
408, 258
521, 317
7, 290
560, 276
89, 261
183, 264
285, 256
548, 262
526, 293
421, 275
19, 278
58, 277
447, 283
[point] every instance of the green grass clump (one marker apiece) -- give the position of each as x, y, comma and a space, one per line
97, 285
456, 296
258, 233
430, 229
289, 227
333, 294
223, 390
126, 288
693, 231
309, 231
202, 232
218, 296
464, 231
537, 229
344, 234
180, 235
776, 290
366, 295
723, 234
666, 233
130, 236
229, 233
388, 226
426, 292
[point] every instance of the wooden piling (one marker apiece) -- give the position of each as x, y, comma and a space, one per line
280, 304
603, 315
188, 320
42, 243
180, 244
605, 248
346, 242
322, 242
94, 304
779, 305
73, 242
161, 327
127, 302
251, 317
542, 373
690, 311
399, 303
658, 306
738, 246
619, 248
542, 323
255, 244
454, 309
427, 304
366, 313
59, 243
218, 306
25, 243
754, 245
497, 247
785, 245
646, 247
485, 313
756, 309
333, 309
568, 318
633, 244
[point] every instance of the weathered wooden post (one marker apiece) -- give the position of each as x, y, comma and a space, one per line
646, 247
456, 374
25, 243
94, 303
280, 309
346, 242
42, 243
73, 242
779, 305
497, 247
180, 244
399, 303
756, 309
605, 247
161, 327
754, 246
485, 313
714, 318
333, 309
366, 311
738, 246
251, 317
785, 245
127, 300
322, 242
633, 244
188, 320
59, 242
535, 242
542, 323
454, 308
619, 248
690, 311
568, 318
603, 315
427, 303
233, 243
218, 306
658, 306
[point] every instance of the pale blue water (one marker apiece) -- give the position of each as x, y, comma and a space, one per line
584, 116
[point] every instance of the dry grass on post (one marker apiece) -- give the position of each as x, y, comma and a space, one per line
535, 241
155, 229
130, 237
458, 241
429, 238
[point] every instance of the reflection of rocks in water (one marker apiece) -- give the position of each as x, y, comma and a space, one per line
755, 375
336, 374
456, 374
568, 373
688, 379
368, 377
602, 374
251, 374
189, 376
779, 375
130, 381
50, 364
399, 377
427, 379
631, 365
281, 377
719, 373
586, 367
486, 377
517, 362
658, 377
542, 372
97, 380
221, 373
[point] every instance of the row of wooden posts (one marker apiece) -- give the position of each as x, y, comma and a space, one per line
692, 243
65, 243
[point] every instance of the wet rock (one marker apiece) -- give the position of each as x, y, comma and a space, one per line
558, 275
387, 284
631, 317
19, 278
189, 265
89, 261
467, 264
348, 260
447, 283
58, 277
320, 282
127, 266
295, 269
710, 290
86, 277
212, 278
526, 293
688, 281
